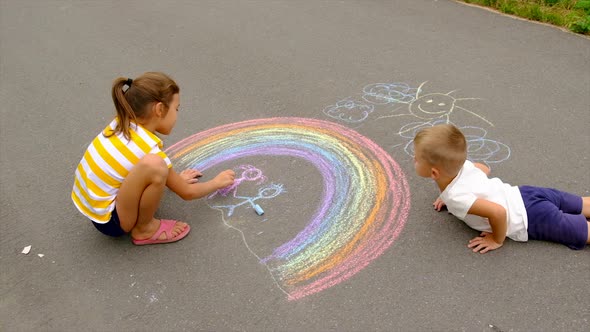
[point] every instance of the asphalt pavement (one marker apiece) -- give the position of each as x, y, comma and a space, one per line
314, 104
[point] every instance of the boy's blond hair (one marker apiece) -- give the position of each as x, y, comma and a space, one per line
442, 146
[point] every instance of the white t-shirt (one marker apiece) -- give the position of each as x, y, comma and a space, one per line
472, 183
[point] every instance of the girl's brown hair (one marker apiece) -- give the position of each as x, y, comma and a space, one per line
443, 146
133, 103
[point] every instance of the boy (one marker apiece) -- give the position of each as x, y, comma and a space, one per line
497, 209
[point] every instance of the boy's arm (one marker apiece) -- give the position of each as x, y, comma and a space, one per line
483, 167
438, 204
189, 190
496, 215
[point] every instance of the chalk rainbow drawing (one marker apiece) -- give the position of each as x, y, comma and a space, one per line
365, 198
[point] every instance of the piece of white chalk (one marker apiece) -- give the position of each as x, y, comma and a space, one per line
258, 209
26, 250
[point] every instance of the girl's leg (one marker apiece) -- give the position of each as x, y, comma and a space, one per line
139, 197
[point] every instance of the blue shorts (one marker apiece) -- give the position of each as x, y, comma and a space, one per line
555, 216
112, 227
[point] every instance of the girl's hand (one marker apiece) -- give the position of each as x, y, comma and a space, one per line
191, 175
225, 178
483, 243
438, 204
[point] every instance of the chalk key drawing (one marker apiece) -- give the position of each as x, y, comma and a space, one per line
425, 109
365, 198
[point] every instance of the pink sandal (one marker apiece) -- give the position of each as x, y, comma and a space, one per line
165, 226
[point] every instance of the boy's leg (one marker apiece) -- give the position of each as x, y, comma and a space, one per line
586, 207
548, 223
586, 213
139, 198
555, 216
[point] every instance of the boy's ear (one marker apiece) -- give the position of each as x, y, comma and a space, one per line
434, 173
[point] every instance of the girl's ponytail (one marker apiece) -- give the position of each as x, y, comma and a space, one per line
133, 104
125, 113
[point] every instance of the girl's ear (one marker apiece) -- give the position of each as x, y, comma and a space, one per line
158, 109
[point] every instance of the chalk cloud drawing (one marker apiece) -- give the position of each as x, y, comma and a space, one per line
349, 110
389, 93
479, 148
482, 149
364, 204
391, 101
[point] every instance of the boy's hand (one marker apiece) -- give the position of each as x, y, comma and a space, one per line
483, 243
191, 175
438, 204
225, 178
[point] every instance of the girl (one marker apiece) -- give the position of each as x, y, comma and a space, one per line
121, 177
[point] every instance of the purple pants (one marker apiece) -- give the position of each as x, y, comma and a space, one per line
555, 216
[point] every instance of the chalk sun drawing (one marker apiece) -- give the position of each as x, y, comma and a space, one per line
365, 197
433, 107
424, 110
429, 107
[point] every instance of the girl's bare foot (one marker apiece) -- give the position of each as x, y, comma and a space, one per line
151, 228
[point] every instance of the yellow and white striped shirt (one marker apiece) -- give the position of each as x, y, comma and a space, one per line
104, 166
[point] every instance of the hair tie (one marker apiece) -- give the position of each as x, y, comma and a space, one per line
128, 82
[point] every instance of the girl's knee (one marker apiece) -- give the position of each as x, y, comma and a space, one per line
155, 166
